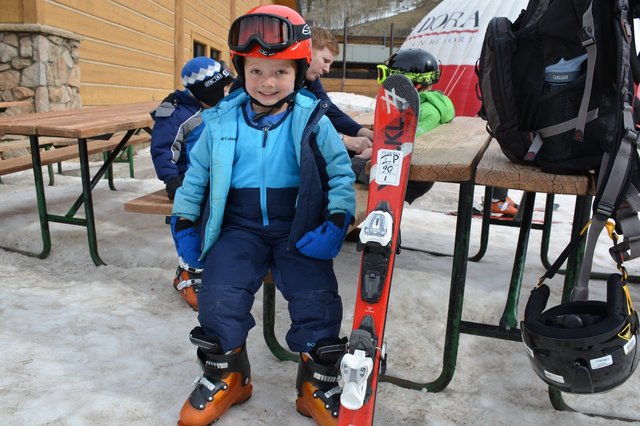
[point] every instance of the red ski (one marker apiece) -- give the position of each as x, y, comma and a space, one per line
394, 131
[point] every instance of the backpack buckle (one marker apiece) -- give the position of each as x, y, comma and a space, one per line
605, 209
586, 35
631, 136
619, 252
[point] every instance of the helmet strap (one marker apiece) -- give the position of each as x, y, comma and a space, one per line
273, 107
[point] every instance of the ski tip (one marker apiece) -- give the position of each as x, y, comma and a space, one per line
404, 93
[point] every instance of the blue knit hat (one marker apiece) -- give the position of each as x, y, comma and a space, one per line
206, 78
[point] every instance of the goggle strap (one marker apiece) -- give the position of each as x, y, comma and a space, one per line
422, 78
301, 32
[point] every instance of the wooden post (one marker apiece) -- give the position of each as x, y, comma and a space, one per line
344, 53
178, 45
391, 41
232, 17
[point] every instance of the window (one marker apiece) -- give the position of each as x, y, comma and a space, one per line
214, 54
199, 49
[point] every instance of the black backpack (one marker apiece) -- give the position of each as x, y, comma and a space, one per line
565, 127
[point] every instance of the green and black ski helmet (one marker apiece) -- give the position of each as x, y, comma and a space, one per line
420, 66
582, 347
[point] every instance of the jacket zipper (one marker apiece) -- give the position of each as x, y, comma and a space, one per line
263, 178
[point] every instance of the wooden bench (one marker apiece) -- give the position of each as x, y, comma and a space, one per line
12, 104
17, 145
58, 150
158, 203
125, 157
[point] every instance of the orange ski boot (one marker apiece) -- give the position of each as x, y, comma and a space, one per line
317, 384
187, 282
225, 381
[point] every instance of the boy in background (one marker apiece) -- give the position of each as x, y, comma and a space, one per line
177, 126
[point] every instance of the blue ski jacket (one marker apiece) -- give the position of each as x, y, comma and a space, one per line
176, 128
326, 178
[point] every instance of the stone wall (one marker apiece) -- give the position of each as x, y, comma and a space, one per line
40, 64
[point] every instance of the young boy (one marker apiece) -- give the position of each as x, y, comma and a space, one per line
281, 199
177, 126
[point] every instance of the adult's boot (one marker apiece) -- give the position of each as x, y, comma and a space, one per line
317, 385
225, 381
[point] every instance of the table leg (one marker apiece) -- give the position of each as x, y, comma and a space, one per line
40, 196
484, 231
88, 202
42, 203
456, 298
268, 322
509, 319
106, 166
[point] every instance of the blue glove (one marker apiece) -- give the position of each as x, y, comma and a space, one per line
325, 241
188, 243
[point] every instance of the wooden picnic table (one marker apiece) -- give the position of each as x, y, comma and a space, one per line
86, 125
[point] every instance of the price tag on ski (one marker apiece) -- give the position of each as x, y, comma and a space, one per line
395, 123
389, 167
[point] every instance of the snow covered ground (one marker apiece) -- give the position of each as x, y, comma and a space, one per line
87, 345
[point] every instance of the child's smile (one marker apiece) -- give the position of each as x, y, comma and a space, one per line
269, 80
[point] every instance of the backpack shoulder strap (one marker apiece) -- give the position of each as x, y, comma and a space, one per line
614, 175
588, 37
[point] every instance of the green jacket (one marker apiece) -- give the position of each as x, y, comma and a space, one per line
435, 109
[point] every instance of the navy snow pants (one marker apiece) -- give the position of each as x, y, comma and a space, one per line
233, 273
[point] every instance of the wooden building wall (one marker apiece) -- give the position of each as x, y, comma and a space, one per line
133, 50
366, 87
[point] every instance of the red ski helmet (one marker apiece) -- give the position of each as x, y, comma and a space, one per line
272, 32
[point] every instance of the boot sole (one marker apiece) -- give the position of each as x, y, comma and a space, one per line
180, 423
302, 409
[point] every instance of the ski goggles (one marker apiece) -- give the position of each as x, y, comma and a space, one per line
426, 78
273, 33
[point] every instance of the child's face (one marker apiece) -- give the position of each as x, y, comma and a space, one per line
269, 80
